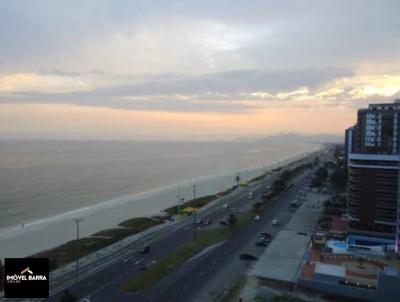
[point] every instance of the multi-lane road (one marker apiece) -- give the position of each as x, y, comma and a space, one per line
198, 279
191, 280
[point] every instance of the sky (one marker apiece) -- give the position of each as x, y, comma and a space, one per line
193, 69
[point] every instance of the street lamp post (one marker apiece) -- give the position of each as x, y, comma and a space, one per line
238, 184
194, 211
77, 221
179, 200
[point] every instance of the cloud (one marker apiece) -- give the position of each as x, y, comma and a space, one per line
53, 84
156, 37
239, 90
230, 91
207, 56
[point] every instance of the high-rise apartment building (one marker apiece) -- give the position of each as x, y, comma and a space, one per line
372, 147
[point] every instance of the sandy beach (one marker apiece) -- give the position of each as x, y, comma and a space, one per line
50, 232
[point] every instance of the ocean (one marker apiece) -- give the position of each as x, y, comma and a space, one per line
43, 179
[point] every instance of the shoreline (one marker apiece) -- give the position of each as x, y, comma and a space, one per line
45, 234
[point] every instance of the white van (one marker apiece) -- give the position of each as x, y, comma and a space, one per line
250, 195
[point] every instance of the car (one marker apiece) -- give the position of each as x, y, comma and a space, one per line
199, 221
207, 222
302, 233
267, 194
261, 243
144, 250
257, 218
264, 238
275, 222
247, 257
225, 206
223, 222
266, 235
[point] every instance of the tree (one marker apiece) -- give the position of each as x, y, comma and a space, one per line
285, 175
316, 182
339, 177
322, 173
279, 185
232, 220
257, 206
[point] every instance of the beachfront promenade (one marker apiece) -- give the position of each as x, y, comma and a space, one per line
102, 272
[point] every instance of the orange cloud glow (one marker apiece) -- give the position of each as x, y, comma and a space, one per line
70, 121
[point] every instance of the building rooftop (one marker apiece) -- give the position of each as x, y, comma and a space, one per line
330, 269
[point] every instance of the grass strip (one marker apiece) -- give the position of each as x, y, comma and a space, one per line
72, 250
198, 203
156, 271
182, 254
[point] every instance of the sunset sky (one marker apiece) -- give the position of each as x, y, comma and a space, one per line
193, 69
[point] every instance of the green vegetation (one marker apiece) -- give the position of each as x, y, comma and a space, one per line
244, 218
258, 178
257, 206
339, 174
320, 176
230, 190
281, 183
198, 203
232, 220
204, 239
72, 250
141, 223
177, 258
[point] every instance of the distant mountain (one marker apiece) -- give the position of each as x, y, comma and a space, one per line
294, 137
291, 137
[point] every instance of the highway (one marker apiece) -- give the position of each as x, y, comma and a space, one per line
187, 281
101, 279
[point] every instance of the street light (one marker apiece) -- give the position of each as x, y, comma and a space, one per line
179, 200
77, 221
238, 184
194, 210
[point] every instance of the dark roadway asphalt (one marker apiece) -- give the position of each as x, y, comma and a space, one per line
189, 279
184, 283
